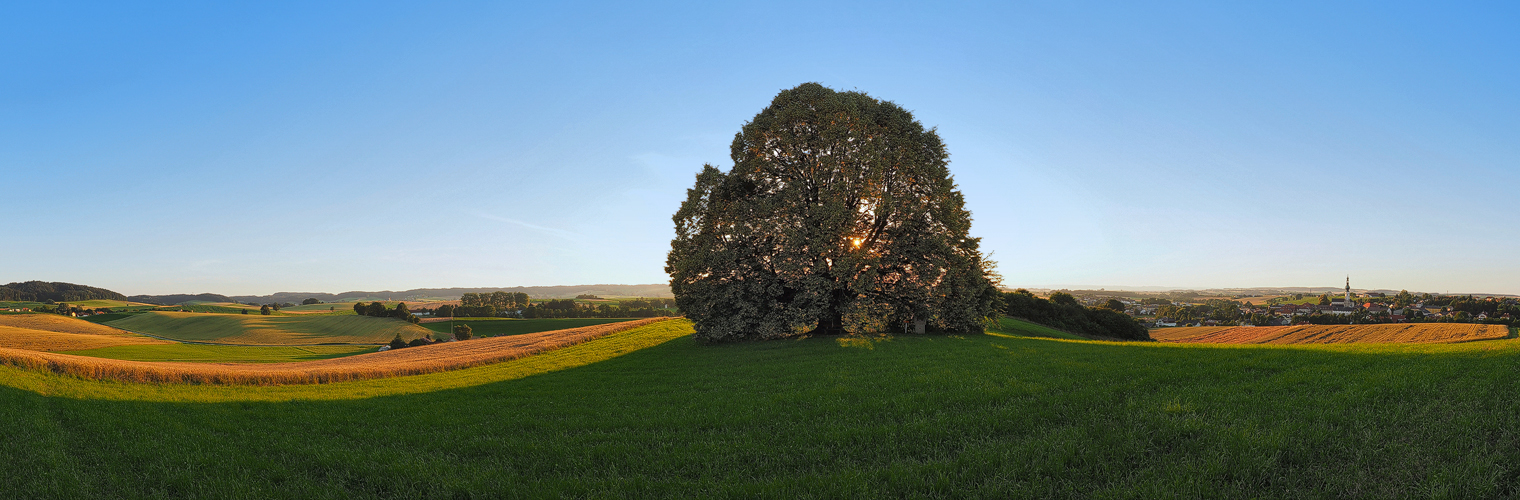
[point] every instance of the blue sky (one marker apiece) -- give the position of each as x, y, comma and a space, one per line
186, 148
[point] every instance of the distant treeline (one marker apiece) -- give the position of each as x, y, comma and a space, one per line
42, 291
1064, 312
486, 305
169, 300
379, 310
502, 304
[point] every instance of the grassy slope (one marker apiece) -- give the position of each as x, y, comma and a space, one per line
499, 327
222, 353
1011, 326
979, 415
257, 329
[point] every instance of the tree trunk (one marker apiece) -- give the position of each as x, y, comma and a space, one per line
831, 322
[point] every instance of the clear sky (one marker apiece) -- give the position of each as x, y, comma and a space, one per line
248, 149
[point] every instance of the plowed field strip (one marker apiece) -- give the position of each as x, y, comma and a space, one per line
1343, 334
409, 361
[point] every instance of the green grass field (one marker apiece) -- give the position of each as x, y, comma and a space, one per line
651, 413
92, 304
222, 353
211, 308
254, 329
339, 306
496, 327
1009, 326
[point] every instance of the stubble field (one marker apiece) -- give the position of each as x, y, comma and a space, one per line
52, 332
1406, 333
254, 329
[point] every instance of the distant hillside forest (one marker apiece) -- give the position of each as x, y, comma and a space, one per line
42, 291
169, 300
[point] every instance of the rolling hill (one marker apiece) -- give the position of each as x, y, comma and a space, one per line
238, 329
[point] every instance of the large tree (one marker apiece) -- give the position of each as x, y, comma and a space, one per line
839, 215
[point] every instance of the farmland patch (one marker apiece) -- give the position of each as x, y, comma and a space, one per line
253, 329
1409, 333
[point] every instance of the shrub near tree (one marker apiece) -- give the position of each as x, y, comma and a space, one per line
839, 215
461, 332
1064, 312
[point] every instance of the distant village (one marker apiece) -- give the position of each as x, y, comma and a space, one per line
1345, 307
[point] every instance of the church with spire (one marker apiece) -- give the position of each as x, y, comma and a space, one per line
1344, 305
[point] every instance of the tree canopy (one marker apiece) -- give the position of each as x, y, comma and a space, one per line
41, 291
839, 215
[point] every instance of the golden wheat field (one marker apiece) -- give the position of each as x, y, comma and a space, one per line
409, 361
51, 332
1411, 333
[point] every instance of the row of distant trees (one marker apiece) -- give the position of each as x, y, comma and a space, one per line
65, 309
487, 306
378, 310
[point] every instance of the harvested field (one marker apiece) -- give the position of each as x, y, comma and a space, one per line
253, 329
1175, 334
1416, 333
51, 332
56, 323
43, 340
409, 361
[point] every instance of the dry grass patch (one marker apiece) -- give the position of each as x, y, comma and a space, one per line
253, 329
42, 340
409, 361
51, 332
1412, 333
56, 323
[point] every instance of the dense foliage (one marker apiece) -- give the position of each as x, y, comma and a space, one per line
839, 215
169, 300
1064, 312
42, 291
379, 310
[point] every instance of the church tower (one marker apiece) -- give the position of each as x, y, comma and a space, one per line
1349, 303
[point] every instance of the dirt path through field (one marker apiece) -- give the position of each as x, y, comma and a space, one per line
399, 362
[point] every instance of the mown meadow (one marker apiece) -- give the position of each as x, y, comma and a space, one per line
649, 412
